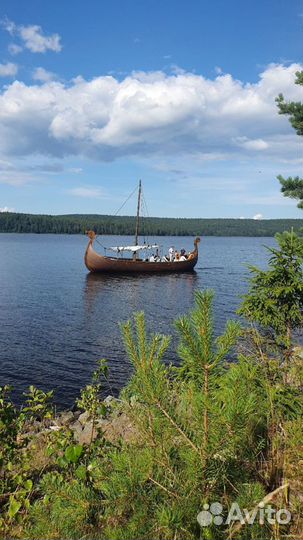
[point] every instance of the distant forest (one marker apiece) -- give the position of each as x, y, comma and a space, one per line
125, 225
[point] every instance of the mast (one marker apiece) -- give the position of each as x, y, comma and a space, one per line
138, 214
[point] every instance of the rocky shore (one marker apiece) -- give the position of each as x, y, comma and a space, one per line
114, 424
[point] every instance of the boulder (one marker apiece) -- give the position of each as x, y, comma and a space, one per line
77, 429
88, 434
120, 428
65, 418
84, 418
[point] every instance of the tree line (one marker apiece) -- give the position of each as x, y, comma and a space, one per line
125, 225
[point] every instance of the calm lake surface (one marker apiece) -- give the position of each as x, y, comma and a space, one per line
56, 320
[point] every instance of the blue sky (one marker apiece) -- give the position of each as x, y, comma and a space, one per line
95, 95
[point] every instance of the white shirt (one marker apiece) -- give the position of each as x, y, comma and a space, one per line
171, 252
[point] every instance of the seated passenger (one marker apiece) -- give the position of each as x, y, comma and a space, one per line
164, 258
177, 257
183, 256
171, 252
152, 258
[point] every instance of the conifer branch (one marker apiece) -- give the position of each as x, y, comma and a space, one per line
173, 423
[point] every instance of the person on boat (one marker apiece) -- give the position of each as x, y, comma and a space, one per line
171, 253
157, 256
191, 255
177, 257
164, 258
182, 255
152, 258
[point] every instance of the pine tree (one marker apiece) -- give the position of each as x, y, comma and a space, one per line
275, 297
293, 187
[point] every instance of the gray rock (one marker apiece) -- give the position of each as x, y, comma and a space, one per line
88, 433
109, 400
65, 418
102, 423
83, 418
120, 428
77, 428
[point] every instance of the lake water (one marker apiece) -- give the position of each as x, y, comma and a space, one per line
56, 319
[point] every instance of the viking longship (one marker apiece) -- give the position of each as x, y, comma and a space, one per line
135, 263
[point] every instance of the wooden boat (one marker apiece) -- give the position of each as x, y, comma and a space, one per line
120, 265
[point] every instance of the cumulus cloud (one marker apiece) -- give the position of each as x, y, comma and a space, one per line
8, 70
257, 217
36, 42
150, 114
33, 38
42, 75
14, 49
251, 144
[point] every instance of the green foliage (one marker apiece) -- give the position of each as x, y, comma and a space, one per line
150, 379
275, 297
293, 109
201, 428
9, 425
293, 187
64, 510
16, 483
73, 453
90, 400
38, 404
198, 348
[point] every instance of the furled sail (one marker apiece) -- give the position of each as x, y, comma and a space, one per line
133, 249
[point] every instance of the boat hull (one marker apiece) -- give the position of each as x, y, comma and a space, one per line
98, 263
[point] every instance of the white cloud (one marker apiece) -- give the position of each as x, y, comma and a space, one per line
33, 38
10, 26
251, 144
87, 192
36, 42
8, 70
7, 209
42, 75
257, 217
151, 114
14, 49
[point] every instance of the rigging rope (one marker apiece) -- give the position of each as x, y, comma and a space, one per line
132, 193
126, 201
142, 203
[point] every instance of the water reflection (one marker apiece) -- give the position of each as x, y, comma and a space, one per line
131, 293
